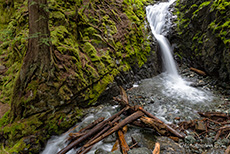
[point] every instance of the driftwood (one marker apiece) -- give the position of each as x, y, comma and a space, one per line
93, 131
123, 144
221, 130
157, 148
158, 124
115, 146
137, 116
83, 130
126, 121
85, 149
135, 144
198, 71
215, 115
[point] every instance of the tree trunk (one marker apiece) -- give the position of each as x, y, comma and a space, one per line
37, 61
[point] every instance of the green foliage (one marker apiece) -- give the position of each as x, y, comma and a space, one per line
14, 37
87, 39
4, 120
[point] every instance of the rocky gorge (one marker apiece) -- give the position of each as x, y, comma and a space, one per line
100, 45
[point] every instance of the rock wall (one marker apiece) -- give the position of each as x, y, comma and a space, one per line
202, 36
96, 44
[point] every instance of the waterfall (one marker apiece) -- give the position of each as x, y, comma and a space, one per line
171, 94
175, 86
156, 16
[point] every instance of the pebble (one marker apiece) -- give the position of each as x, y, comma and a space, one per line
142, 150
190, 139
2, 67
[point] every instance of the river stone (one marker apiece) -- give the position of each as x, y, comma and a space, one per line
200, 126
101, 151
2, 67
115, 152
144, 138
110, 138
190, 139
142, 150
214, 151
168, 146
208, 141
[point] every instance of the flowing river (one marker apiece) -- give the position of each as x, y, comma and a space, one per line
167, 95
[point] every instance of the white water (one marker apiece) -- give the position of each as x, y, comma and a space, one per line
175, 86
56, 143
156, 16
171, 84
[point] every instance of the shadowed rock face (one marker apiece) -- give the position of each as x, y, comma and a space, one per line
202, 37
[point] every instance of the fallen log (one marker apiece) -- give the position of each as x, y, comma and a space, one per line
82, 131
93, 131
163, 125
115, 146
157, 148
124, 96
73, 136
124, 102
84, 149
198, 71
161, 129
123, 144
214, 115
221, 131
126, 121
140, 124
92, 124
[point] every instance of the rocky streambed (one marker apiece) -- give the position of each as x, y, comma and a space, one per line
169, 103
172, 105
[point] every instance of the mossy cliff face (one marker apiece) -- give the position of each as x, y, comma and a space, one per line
203, 36
94, 43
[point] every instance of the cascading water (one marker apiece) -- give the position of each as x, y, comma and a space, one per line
171, 95
175, 86
156, 16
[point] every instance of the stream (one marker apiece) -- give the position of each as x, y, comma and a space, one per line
166, 96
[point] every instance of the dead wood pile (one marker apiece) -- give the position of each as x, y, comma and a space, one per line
136, 115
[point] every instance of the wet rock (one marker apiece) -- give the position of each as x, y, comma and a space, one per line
2, 67
101, 151
200, 126
215, 151
208, 141
115, 152
169, 146
110, 138
144, 138
222, 143
142, 150
190, 139
194, 30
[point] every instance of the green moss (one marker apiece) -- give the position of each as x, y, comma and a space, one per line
87, 43
65, 93
201, 6
19, 146
4, 120
99, 87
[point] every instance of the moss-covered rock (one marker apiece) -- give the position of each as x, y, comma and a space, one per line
203, 35
94, 43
